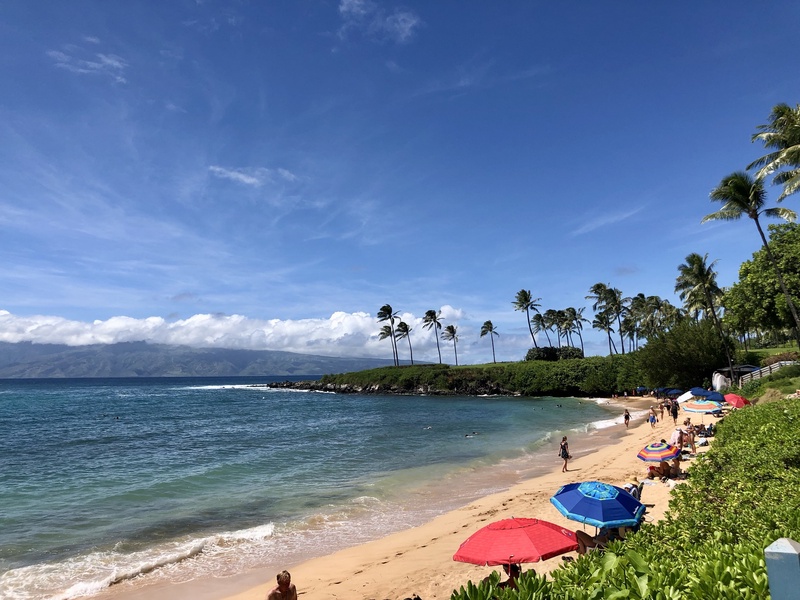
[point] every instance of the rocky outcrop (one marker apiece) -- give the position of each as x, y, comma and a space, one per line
378, 388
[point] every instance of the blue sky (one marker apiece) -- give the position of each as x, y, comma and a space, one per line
268, 174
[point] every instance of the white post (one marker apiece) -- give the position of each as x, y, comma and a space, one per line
783, 569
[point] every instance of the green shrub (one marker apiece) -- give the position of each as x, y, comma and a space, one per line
569, 352
544, 353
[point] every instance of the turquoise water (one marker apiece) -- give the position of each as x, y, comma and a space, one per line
103, 481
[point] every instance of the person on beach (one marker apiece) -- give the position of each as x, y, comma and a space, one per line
586, 541
563, 452
673, 409
285, 590
627, 417
513, 571
661, 407
652, 418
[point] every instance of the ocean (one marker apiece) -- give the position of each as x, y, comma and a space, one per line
141, 481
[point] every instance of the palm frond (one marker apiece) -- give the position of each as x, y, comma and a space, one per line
786, 214
723, 215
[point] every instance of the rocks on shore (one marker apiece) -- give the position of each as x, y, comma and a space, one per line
378, 388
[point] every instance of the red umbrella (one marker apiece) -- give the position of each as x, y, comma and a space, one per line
516, 541
736, 400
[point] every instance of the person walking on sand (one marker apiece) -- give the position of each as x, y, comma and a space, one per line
627, 417
563, 452
285, 589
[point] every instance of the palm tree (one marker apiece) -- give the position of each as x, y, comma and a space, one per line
599, 293
698, 279
576, 322
540, 324
431, 319
551, 320
524, 301
743, 195
386, 332
386, 314
783, 133
488, 328
403, 331
450, 333
603, 322
609, 300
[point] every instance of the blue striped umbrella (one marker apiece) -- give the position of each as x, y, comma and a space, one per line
599, 504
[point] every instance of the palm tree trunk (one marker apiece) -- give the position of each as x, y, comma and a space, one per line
718, 325
782, 284
621, 338
494, 359
533, 337
410, 351
395, 354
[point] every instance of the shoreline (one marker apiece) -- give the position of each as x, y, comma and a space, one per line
419, 559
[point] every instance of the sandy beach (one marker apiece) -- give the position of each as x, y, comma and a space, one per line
419, 560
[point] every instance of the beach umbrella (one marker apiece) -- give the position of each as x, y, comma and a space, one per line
514, 541
658, 451
736, 400
698, 391
685, 396
702, 406
715, 397
599, 504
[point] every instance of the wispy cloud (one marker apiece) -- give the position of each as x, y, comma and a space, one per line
605, 220
254, 177
103, 64
478, 73
375, 22
237, 175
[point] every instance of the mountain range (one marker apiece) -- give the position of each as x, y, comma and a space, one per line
26, 360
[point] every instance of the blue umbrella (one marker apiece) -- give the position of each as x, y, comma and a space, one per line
599, 504
715, 397
698, 391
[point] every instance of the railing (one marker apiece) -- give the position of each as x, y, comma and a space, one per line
768, 370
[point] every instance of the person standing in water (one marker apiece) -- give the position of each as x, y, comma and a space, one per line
563, 452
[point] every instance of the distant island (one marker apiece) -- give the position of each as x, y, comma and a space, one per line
25, 360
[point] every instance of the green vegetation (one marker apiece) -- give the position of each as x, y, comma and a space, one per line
593, 376
755, 306
741, 495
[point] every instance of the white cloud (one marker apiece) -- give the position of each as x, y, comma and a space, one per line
371, 19
341, 334
237, 175
255, 177
287, 175
109, 65
598, 222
